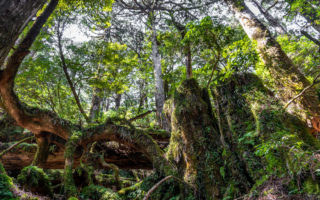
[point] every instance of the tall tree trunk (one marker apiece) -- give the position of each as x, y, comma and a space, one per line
95, 105
142, 95
159, 93
187, 48
289, 80
188, 61
14, 16
273, 21
118, 101
107, 104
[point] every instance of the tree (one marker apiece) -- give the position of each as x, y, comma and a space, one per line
15, 15
288, 78
44, 123
150, 10
246, 144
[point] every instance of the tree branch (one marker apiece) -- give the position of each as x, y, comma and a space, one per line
303, 91
141, 115
14, 145
317, 42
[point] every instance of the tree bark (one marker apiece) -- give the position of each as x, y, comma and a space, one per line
14, 16
159, 93
289, 80
188, 61
142, 95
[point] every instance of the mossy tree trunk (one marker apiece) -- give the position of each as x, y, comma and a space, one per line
236, 171
289, 80
69, 184
43, 147
252, 119
194, 144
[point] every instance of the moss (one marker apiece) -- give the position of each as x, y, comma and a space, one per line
110, 195
69, 185
72, 198
6, 185
35, 180
194, 143
96, 192
28, 147
132, 188
268, 140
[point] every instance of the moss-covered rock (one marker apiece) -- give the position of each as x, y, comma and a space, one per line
35, 180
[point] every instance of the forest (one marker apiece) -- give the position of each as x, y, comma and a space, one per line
160, 99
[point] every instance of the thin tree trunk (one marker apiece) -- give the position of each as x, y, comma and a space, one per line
159, 93
273, 21
289, 80
107, 105
188, 61
118, 101
95, 105
65, 70
14, 16
187, 49
142, 95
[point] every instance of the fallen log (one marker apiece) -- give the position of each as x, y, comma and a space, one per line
124, 158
